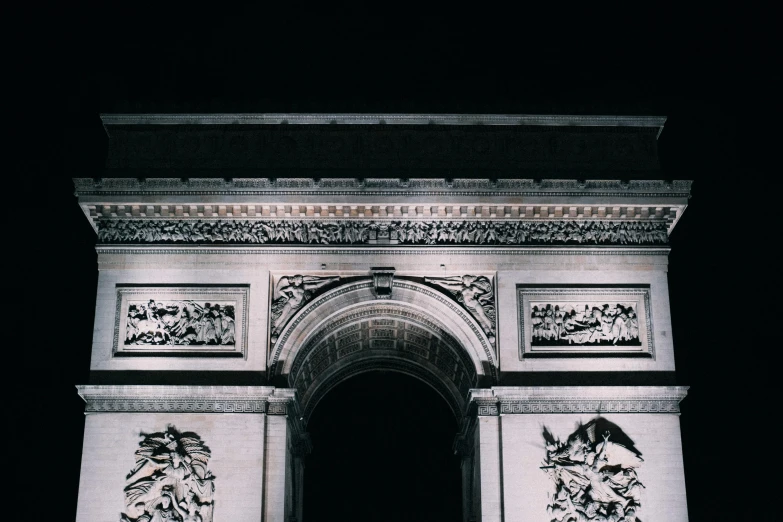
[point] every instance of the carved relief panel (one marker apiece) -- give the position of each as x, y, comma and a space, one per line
171, 479
594, 473
181, 321
584, 321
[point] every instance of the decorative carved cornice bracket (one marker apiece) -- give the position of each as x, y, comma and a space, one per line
283, 402
482, 403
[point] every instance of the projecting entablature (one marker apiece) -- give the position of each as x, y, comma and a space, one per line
382, 211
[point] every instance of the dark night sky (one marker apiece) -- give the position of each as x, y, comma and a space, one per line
648, 62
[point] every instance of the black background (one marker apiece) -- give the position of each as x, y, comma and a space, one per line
703, 70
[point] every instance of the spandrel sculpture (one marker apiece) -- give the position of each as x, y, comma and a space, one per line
171, 480
594, 474
475, 293
292, 293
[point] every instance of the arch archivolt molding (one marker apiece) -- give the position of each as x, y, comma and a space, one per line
349, 330
383, 322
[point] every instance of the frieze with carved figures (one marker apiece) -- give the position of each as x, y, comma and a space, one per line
350, 232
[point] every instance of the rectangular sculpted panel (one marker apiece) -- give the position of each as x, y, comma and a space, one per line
188, 321
584, 321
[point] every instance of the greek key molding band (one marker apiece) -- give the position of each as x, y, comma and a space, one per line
575, 399
188, 399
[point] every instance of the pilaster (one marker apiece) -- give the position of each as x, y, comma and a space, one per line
252, 436
509, 435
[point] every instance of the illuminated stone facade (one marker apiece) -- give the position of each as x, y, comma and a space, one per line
283, 287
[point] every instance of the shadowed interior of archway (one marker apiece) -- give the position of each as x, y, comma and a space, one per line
382, 451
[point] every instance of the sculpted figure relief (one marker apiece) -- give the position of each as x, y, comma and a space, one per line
595, 475
293, 292
557, 324
180, 323
475, 294
171, 480
395, 232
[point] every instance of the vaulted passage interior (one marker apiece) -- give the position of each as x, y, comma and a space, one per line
382, 451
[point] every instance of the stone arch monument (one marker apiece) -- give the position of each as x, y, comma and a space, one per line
507, 261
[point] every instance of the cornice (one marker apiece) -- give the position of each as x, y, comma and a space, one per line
382, 199
188, 399
110, 120
505, 400
379, 186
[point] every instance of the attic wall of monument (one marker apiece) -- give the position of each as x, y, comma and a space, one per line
132, 279
177, 148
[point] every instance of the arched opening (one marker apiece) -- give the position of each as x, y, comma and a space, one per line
389, 376
382, 451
